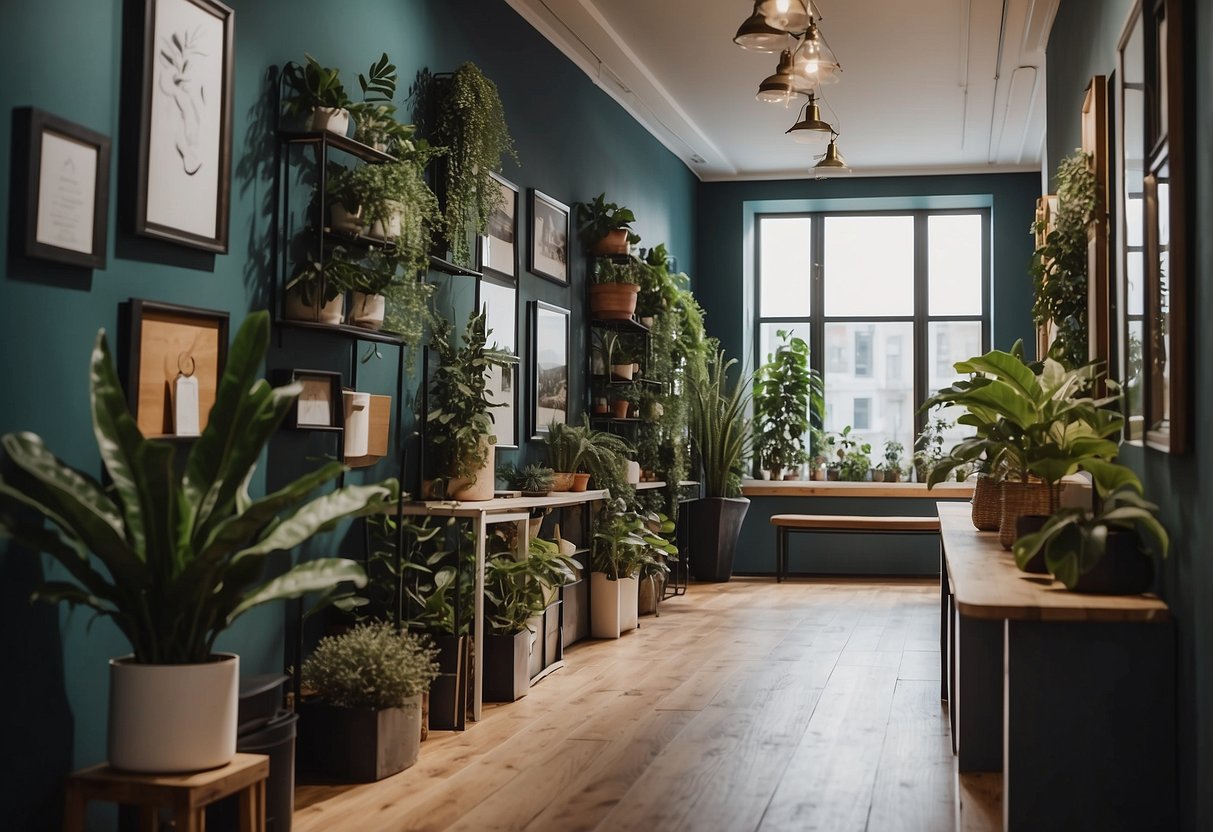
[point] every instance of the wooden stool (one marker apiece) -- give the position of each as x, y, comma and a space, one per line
187, 795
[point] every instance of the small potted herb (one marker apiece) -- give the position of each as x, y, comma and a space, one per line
317, 92
614, 290
892, 460
604, 227
854, 462
532, 480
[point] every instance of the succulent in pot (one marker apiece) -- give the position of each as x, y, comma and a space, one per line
180, 552
317, 91
604, 227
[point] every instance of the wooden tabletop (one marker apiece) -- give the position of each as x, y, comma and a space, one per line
897, 490
200, 786
986, 583
455, 508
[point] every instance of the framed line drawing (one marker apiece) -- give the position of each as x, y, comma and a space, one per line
549, 367
185, 126
548, 246
66, 190
319, 406
499, 303
499, 247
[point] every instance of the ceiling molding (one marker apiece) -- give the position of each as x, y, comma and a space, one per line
944, 170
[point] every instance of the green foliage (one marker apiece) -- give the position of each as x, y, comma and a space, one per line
892, 455
1074, 539
1059, 267
720, 430
628, 543
312, 85
342, 272
602, 454
470, 124
854, 461
788, 398
627, 271
518, 590
597, 218
371, 666
532, 477
408, 308
182, 550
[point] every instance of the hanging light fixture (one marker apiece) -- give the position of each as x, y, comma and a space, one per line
832, 163
757, 35
810, 128
786, 15
780, 87
814, 60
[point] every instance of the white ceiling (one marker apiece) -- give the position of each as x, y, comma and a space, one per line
928, 86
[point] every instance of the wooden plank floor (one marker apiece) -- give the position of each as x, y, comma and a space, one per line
750, 705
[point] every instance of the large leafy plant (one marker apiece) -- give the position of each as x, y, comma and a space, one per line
598, 218
719, 427
180, 553
313, 85
788, 398
628, 543
517, 589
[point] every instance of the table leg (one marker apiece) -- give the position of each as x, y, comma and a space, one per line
74, 805
149, 819
478, 531
781, 543
248, 808
188, 819
976, 703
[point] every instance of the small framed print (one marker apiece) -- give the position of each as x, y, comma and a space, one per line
67, 191
319, 406
548, 248
549, 367
498, 247
499, 303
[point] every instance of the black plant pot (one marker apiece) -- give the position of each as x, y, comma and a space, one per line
1030, 524
358, 745
506, 666
1124, 568
448, 692
715, 524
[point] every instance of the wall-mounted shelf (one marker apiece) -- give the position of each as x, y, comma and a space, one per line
447, 267
356, 333
611, 381
363, 151
620, 324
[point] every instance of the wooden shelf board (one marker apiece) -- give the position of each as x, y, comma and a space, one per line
904, 490
345, 330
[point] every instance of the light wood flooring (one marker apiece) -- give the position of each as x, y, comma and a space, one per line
750, 705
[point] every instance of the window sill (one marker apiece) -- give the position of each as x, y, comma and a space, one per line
900, 490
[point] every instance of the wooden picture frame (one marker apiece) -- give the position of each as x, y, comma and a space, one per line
185, 125
549, 399
499, 301
164, 340
61, 194
319, 406
498, 247
548, 240
1099, 286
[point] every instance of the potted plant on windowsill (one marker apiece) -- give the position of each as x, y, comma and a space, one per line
892, 460
789, 397
180, 551
614, 290
317, 92
362, 720
604, 227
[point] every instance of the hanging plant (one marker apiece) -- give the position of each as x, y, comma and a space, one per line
470, 122
1059, 267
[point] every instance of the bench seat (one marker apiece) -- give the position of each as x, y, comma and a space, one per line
785, 524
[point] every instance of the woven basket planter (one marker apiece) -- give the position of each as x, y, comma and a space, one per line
1018, 499
987, 504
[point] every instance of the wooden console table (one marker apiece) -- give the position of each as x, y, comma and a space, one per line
1070, 696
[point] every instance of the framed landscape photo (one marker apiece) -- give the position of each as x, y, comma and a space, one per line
499, 247
66, 189
185, 128
548, 247
549, 367
500, 305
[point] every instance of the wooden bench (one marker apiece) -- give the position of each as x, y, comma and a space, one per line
785, 524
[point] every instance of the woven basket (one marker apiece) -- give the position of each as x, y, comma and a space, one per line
987, 504
1018, 499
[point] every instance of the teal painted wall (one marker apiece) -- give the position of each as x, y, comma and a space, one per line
1083, 43
64, 56
722, 247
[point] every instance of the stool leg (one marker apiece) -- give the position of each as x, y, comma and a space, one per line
188, 819
74, 804
149, 819
781, 556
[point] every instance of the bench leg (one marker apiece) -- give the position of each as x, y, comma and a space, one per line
781, 541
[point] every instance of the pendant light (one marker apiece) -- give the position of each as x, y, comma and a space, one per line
810, 128
814, 60
780, 87
757, 35
785, 15
832, 163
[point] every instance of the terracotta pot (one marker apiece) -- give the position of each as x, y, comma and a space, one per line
581, 482
620, 408
615, 242
613, 301
563, 481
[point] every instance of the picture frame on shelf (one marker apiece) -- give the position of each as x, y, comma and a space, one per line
499, 246
319, 405
164, 344
62, 200
548, 243
549, 400
185, 124
500, 303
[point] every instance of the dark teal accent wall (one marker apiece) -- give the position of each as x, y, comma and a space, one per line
1083, 43
722, 247
64, 56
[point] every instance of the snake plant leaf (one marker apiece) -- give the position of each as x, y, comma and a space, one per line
54, 592
316, 575
313, 517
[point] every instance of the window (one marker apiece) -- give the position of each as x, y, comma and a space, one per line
888, 303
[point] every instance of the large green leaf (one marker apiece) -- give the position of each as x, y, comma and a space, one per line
311, 576
1004, 400
1008, 369
351, 501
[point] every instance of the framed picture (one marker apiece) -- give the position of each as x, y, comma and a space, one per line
176, 356
319, 406
185, 128
499, 303
549, 366
66, 189
548, 252
498, 249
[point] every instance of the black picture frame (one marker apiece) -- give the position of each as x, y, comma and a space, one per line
499, 301
152, 339
185, 136
548, 237
317, 385
498, 247
64, 211
550, 345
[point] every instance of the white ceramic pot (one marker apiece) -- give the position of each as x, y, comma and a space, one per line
622, 372
169, 718
348, 222
629, 603
333, 119
633, 472
357, 423
604, 606
296, 309
390, 229
647, 320
367, 311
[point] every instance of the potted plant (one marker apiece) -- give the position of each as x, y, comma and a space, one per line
375, 115
362, 719
853, 460
789, 397
532, 480
625, 399
1107, 551
180, 551
614, 290
469, 122
721, 435
604, 227
317, 92
459, 422
387, 201
317, 291
892, 460
621, 540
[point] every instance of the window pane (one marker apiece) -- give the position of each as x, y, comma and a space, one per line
869, 266
768, 339
954, 246
1134, 407
785, 266
879, 404
947, 343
